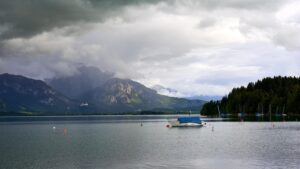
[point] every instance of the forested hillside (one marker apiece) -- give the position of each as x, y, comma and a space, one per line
275, 95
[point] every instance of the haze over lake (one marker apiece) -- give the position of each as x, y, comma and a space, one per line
91, 84
124, 143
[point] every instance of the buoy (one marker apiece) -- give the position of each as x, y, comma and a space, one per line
65, 131
54, 128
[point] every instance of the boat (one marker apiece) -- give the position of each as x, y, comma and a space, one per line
241, 114
190, 121
259, 114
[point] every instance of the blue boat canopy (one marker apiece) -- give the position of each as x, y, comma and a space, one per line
189, 119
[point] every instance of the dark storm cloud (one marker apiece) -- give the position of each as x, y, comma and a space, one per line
19, 18
194, 46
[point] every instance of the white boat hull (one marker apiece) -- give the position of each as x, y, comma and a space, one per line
177, 124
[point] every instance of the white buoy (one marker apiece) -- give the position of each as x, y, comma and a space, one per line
54, 128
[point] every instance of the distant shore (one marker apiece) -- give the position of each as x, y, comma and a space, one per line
139, 118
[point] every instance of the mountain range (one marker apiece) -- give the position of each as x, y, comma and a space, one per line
90, 91
21, 94
173, 92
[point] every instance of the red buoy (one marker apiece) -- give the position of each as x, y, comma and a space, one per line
65, 131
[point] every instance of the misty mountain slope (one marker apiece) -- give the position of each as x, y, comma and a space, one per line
181, 103
119, 95
21, 94
107, 94
164, 90
87, 78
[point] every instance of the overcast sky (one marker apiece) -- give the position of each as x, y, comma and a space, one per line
198, 47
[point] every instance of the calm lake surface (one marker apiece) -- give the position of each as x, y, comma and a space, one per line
122, 143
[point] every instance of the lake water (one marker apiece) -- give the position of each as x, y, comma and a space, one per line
122, 143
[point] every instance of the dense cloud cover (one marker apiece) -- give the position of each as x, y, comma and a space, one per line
198, 47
